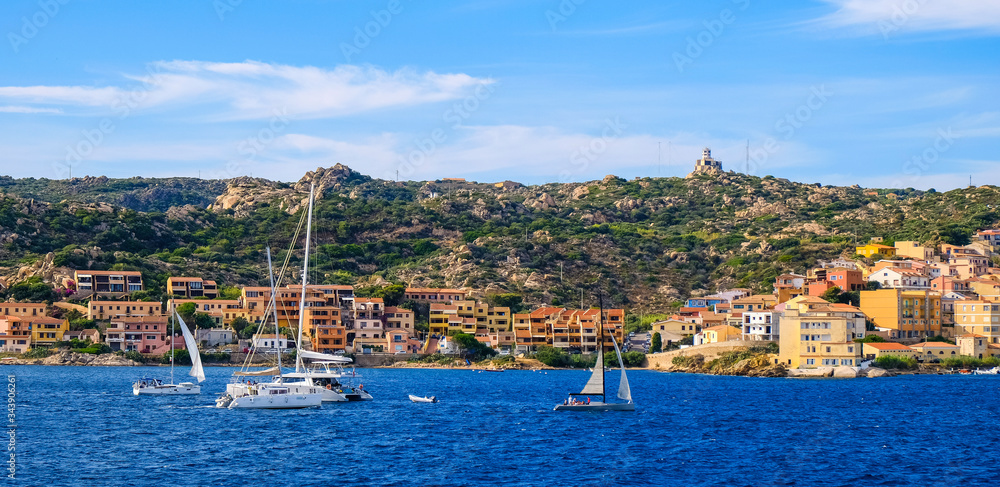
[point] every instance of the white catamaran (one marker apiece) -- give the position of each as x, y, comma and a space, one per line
595, 386
150, 386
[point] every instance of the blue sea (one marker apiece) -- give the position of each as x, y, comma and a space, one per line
83, 426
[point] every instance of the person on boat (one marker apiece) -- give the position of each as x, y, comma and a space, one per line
588, 400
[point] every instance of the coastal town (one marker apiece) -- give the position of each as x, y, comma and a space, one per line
913, 301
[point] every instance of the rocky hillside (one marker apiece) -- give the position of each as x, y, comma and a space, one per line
644, 243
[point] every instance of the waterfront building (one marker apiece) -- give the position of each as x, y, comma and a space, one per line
814, 334
146, 334
15, 334
213, 337
717, 334
876, 350
978, 316
976, 346
267, 342
926, 351
760, 325
192, 287
567, 329
46, 331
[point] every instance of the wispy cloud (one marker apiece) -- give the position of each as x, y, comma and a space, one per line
880, 16
254, 90
23, 109
655, 27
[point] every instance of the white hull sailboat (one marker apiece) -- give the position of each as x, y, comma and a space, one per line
156, 387
595, 386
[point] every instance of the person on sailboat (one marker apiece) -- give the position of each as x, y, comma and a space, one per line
588, 400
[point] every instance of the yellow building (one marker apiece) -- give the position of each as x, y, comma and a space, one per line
873, 248
718, 334
815, 335
904, 313
935, 350
876, 350
107, 310
676, 327
913, 250
756, 302
976, 346
468, 317
46, 331
980, 317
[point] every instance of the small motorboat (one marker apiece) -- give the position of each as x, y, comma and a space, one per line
965, 371
993, 371
423, 399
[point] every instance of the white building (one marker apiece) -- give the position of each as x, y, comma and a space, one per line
214, 337
271, 342
897, 278
761, 325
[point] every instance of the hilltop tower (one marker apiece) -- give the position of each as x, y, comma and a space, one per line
706, 165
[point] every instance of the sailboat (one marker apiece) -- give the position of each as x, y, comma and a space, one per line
247, 393
595, 385
149, 386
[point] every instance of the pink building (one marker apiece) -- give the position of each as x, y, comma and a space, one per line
146, 334
15, 334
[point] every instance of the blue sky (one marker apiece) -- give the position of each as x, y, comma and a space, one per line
881, 93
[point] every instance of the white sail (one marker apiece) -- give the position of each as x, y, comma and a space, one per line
624, 392
596, 383
192, 346
324, 357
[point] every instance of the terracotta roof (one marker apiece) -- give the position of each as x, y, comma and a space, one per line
720, 327
971, 335
934, 345
888, 346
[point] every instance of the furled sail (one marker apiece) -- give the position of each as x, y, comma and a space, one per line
196, 370
324, 357
595, 386
257, 373
624, 392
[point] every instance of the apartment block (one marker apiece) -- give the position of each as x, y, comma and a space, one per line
434, 295
567, 329
820, 335
146, 334
905, 314
23, 310
15, 334
980, 317
108, 282
106, 310
46, 331
192, 287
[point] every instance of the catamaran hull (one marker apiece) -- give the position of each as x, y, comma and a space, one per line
168, 390
596, 406
280, 401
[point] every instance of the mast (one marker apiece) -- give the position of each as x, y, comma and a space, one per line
274, 307
305, 279
172, 350
600, 319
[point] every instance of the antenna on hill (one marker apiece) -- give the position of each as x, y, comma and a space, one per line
748, 156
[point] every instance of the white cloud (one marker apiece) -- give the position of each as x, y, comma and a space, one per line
889, 16
23, 109
255, 90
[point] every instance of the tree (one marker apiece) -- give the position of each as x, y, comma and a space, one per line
203, 320
187, 311
242, 327
873, 286
831, 295
475, 349
513, 301
657, 343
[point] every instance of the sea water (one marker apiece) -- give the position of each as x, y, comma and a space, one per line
83, 426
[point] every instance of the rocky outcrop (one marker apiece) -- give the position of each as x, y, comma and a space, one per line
74, 358
875, 372
244, 194
811, 373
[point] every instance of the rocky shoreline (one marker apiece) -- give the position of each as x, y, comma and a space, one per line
762, 366
74, 358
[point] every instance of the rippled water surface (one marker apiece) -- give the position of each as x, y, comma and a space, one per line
83, 426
